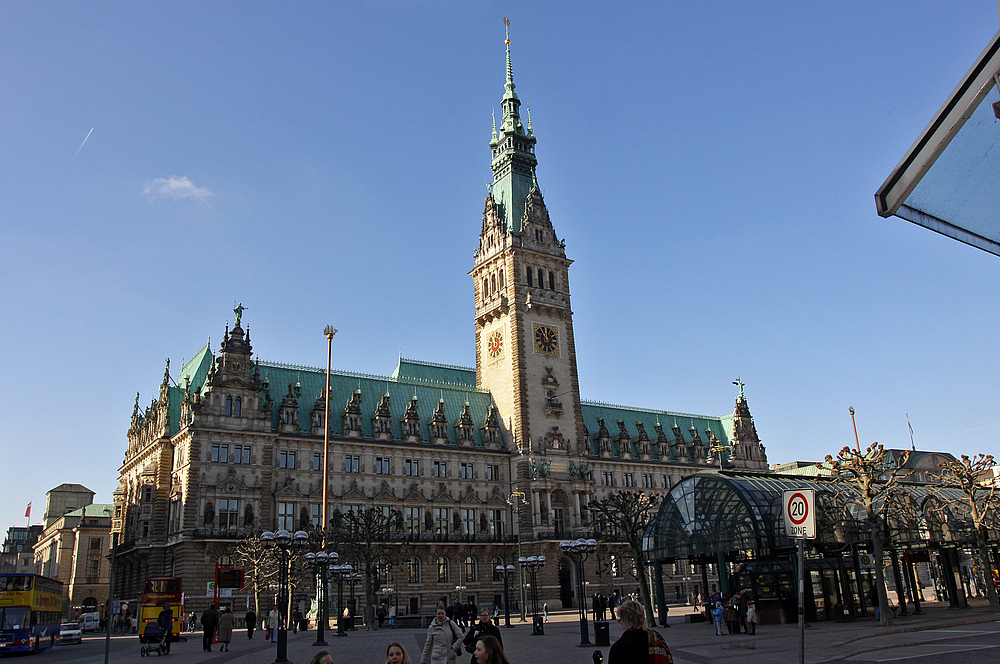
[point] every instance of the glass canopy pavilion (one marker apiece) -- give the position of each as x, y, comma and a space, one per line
733, 520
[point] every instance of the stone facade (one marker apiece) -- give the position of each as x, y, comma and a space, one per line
73, 547
482, 465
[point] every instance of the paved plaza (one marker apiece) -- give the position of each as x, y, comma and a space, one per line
939, 635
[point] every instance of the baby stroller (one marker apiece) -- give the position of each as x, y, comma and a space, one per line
153, 639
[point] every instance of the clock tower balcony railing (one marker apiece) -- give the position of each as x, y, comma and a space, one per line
492, 306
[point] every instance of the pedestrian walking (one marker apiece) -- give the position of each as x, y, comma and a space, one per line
166, 622
381, 614
751, 618
443, 641
272, 625
226, 623
484, 627
392, 617
395, 653
209, 621
489, 651
251, 622
545, 611
191, 621
637, 645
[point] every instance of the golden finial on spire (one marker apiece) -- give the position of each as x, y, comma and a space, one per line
506, 29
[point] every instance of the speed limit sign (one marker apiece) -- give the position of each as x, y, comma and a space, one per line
799, 510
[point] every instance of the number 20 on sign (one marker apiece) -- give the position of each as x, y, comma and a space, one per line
800, 513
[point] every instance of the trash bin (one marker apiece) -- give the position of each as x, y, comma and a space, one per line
602, 635
842, 613
537, 628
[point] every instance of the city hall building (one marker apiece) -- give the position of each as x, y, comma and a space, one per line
483, 464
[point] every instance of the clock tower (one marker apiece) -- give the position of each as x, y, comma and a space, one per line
525, 354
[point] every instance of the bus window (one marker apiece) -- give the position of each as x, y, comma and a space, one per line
13, 617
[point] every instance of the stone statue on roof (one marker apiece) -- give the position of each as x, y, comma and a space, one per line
238, 310
737, 382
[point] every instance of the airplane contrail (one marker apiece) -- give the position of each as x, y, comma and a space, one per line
82, 144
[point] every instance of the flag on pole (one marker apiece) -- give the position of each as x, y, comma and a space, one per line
908, 426
27, 512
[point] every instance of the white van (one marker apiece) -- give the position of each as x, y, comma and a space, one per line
90, 622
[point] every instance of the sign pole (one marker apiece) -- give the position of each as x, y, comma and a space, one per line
802, 602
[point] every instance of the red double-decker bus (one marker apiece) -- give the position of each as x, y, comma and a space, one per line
155, 592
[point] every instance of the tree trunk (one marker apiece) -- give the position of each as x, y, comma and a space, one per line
369, 605
883, 600
984, 564
640, 572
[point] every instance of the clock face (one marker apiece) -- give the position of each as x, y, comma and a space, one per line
494, 344
546, 339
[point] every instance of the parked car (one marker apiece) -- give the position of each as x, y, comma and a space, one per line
70, 633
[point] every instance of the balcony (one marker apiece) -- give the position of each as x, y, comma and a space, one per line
223, 533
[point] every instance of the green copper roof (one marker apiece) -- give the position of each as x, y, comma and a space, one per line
430, 371
400, 390
629, 416
196, 369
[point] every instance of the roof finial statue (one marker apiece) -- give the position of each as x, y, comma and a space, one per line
739, 383
238, 310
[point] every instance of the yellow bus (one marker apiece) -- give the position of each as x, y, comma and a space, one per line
30, 612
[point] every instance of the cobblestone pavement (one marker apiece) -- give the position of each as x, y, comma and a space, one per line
939, 628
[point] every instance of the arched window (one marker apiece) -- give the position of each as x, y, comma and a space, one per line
541, 278
442, 565
470, 569
238, 407
486, 283
529, 276
552, 281
229, 406
502, 284
493, 283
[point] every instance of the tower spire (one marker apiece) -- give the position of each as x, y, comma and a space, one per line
513, 151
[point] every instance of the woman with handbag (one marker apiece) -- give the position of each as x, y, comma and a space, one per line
482, 628
444, 640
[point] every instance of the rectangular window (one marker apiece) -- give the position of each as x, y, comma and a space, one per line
317, 515
352, 509
241, 453
383, 465
352, 463
412, 522
441, 520
317, 461
413, 570
468, 522
609, 478
220, 453
287, 459
647, 480
413, 467
492, 472
466, 471
286, 516
628, 479
496, 523
229, 511
440, 469
95, 543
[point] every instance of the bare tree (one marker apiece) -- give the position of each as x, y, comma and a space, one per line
623, 516
975, 500
871, 477
368, 537
260, 565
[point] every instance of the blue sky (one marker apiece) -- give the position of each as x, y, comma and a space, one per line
711, 168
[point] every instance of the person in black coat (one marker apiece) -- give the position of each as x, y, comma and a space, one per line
480, 629
209, 621
251, 622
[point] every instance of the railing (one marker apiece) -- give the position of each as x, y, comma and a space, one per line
453, 537
222, 533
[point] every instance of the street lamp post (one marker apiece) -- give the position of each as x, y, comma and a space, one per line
284, 541
352, 577
506, 572
339, 571
514, 500
578, 551
319, 561
531, 564
329, 332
